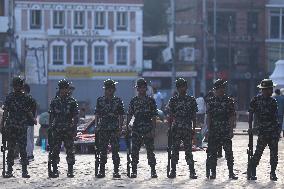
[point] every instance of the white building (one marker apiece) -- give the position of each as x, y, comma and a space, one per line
86, 41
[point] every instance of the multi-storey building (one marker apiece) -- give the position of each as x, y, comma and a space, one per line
85, 41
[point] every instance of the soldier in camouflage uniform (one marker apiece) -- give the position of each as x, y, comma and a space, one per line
17, 111
182, 117
144, 110
220, 110
109, 113
64, 113
263, 108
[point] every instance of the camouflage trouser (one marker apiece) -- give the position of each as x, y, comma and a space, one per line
215, 142
66, 136
16, 135
181, 134
109, 137
137, 141
262, 142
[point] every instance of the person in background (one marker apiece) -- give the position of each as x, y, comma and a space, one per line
280, 103
201, 105
158, 98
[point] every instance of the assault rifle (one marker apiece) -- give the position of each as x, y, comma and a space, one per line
250, 168
169, 149
50, 149
129, 151
3, 150
97, 148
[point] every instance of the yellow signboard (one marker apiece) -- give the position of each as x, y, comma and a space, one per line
85, 72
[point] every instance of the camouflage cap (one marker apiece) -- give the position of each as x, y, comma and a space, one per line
266, 83
181, 82
109, 83
17, 81
141, 82
63, 83
219, 83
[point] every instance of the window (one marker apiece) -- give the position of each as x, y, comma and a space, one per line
99, 55
252, 23
79, 19
79, 54
58, 19
275, 24
121, 55
225, 21
100, 20
121, 21
58, 55
35, 19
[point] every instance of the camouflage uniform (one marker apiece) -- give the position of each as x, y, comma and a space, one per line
109, 112
220, 109
265, 111
64, 112
183, 109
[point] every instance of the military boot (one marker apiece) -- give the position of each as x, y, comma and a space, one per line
207, 170
134, 171
192, 174
25, 173
55, 172
253, 172
9, 172
102, 173
153, 172
70, 172
173, 173
116, 172
213, 173
232, 174
273, 176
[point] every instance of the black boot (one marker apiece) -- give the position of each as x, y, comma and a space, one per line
9, 172
232, 174
207, 170
173, 173
25, 173
134, 171
273, 176
102, 172
213, 173
116, 172
153, 172
192, 172
55, 173
70, 172
253, 173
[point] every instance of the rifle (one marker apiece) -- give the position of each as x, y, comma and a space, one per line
3, 149
250, 168
169, 150
50, 148
129, 150
97, 147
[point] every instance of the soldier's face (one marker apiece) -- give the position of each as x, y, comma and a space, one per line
220, 91
182, 89
18, 88
267, 91
142, 89
109, 91
64, 91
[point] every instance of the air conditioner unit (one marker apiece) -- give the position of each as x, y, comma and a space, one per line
187, 54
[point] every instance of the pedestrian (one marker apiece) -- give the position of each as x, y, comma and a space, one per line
159, 98
30, 123
144, 110
201, 105
43, 130
109, 113
182, 117
220, 111
263, 108
17, 111
280, 103
64, 116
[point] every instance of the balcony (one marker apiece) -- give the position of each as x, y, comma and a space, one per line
4, 20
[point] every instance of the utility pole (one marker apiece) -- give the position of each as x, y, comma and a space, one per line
214, 43
11, 37
230, 55
253, 65
172, 41
204, 66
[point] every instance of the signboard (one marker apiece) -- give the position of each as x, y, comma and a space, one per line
79, 72
167, 55
4, 60
169, 74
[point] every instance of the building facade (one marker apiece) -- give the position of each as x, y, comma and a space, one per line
86, 41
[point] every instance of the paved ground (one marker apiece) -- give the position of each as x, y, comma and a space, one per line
84, 170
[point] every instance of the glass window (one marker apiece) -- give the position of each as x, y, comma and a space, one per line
274, 27
99, 55
225, 21
121, 55
252, 23
99, 20
58, 55
79, 54
121, 21
79, 19
58, 19
35, 19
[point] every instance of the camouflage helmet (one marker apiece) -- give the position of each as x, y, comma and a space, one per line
181, 82
63, 83
141, 82
109, 83
17, 81
219, 83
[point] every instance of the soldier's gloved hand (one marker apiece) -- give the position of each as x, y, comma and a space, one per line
231, 135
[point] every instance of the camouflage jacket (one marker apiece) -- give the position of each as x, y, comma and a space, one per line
33, 104
220, 110
63, 111
143, 109
109, 112
265, 113
18, 106
183, 109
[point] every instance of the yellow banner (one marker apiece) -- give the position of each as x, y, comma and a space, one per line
85, 72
